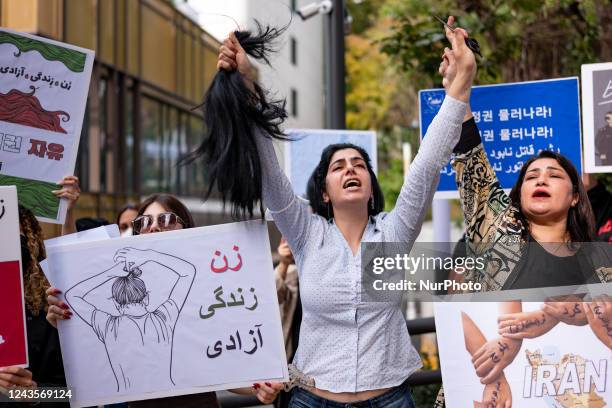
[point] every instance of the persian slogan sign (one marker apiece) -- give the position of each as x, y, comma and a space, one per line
171, 313
43, 93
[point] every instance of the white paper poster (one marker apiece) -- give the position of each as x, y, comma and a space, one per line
567, 366
597, 117
170, 313
43, 93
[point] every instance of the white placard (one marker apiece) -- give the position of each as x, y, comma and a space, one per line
94, 234
546, 372
597, 117
43, 94
227, 334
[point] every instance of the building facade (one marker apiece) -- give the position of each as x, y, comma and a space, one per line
153, 64
297, 71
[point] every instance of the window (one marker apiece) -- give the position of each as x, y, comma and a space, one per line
82, 163
129, 142
151, 146
293, 50
103, 122
167, 135
294, 103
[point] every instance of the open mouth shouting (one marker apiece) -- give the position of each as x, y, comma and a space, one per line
541, 194
352, 184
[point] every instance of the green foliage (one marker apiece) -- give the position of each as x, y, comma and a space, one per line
521, 39
396, 46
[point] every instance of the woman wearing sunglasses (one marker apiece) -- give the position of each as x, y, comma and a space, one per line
159, 213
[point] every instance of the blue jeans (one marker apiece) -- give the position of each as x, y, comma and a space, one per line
398, 397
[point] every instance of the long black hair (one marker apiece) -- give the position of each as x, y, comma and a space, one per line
580, 218
316, 184
233, 115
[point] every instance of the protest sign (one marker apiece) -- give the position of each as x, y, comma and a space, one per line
516, 121
206, 297
597, 114
304, 152
13, 338
568, 366
43, 93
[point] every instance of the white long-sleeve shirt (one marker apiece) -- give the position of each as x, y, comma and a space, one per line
346, 344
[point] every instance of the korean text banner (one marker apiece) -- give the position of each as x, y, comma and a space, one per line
43, 93
304, 152
173, 313
550, 363
516, 121
13, 339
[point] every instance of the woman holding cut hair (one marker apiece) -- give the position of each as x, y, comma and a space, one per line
158, 213
350, 351
530, 238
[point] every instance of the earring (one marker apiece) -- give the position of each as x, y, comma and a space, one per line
372, 203
328, 211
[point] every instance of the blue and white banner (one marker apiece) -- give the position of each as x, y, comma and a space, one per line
516, 121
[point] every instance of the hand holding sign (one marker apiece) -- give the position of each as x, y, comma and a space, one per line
58, 309
14, 376
267, 392
70, 190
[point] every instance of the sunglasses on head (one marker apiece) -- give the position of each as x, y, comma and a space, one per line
165, 221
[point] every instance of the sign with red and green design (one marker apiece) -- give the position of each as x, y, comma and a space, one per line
43, 94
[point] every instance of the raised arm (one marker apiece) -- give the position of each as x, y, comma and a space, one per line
291, 215
435, 151
70, 191
75, 296
473, 337
134, 258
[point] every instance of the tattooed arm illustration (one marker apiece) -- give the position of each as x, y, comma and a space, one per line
497, 393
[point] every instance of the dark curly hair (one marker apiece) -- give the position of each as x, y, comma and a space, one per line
35, 282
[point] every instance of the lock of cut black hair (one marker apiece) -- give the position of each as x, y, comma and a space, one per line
234, 116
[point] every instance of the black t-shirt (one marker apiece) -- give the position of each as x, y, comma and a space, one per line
542, 269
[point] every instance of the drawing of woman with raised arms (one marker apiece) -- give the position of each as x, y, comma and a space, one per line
158, 213
153, 330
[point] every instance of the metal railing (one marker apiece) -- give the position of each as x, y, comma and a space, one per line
416, 327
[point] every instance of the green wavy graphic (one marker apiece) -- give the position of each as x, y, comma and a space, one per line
73, 60
35, 195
